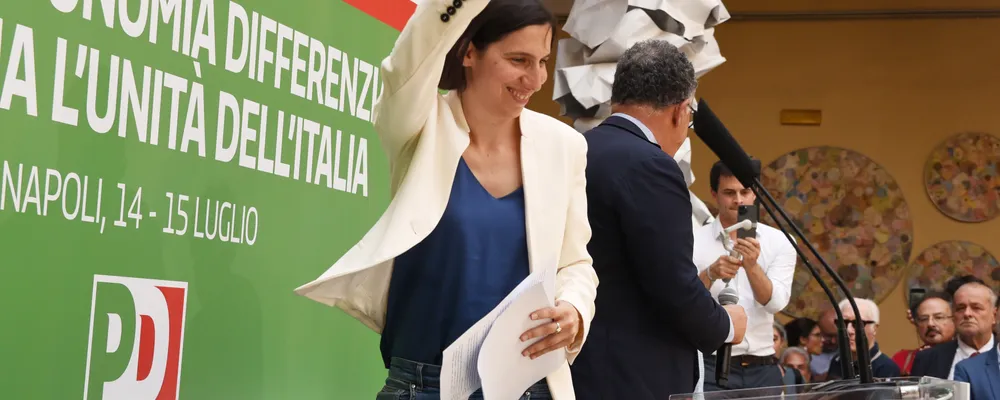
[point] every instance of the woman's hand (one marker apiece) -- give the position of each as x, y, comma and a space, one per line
559, 333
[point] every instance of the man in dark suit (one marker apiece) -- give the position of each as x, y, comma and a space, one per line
983, 375
974, 313
653, 313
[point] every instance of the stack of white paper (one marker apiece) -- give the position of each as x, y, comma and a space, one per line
488, 355
602, 30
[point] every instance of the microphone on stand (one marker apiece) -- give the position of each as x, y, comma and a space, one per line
727, 296
715, 135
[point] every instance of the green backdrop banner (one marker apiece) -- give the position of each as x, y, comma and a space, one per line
171, 171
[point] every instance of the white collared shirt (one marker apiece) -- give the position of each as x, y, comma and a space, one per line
777, 258
645, 129
965, 351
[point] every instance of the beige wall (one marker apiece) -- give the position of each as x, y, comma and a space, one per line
891, 90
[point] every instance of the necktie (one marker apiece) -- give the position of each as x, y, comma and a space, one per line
975, 353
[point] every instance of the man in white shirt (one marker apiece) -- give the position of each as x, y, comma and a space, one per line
974, 312
762, 276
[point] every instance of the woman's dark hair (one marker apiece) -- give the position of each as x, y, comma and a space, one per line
499, 19
797, 329
953, 284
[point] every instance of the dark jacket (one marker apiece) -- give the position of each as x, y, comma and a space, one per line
935, 361
653, 313
882, 366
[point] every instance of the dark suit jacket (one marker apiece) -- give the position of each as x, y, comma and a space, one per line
935, 361
653, 313
882, 365
982, 372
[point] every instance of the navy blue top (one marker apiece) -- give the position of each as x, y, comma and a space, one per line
882, 365
475, 256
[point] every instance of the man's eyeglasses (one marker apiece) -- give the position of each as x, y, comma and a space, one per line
693, 111
850, 322
938, 318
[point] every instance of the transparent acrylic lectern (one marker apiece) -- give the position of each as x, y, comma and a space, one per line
923, 388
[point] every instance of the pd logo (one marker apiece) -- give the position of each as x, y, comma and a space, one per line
136, 337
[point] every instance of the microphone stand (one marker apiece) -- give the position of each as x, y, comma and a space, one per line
847, 368
861, 340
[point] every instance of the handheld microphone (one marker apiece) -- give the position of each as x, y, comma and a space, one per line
744, 225
728, 243
727, 296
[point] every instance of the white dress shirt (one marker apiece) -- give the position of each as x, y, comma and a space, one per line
965, 351
777, 258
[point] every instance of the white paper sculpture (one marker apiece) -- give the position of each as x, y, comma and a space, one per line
601, 30
700, 214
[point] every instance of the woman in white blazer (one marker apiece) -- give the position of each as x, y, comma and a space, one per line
484, 192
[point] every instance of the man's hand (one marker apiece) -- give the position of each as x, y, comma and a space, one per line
750, 249
724, 268
739, 317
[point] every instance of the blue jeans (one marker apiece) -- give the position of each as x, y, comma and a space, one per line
409, 380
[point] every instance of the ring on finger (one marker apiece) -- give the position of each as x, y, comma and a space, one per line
558, 327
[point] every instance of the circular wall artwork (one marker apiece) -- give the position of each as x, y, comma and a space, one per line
949, 259
961, 177
853, 212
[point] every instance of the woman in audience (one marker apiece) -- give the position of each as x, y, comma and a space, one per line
780, 339
805, 333
789, 374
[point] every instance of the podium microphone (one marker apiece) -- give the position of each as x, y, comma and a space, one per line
727, 296
715, 135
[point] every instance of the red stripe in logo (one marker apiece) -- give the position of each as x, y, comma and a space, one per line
394, 13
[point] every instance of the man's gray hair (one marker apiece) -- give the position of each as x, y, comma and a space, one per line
992, 293
653, 73
796, 350
864, 305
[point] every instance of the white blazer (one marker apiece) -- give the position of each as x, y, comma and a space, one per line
424, 134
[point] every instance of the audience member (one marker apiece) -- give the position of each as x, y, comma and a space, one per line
797, 359
982, 372
804, 332
820, 363
974, 314
780, 339
996, 328
882, 365
933, 319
